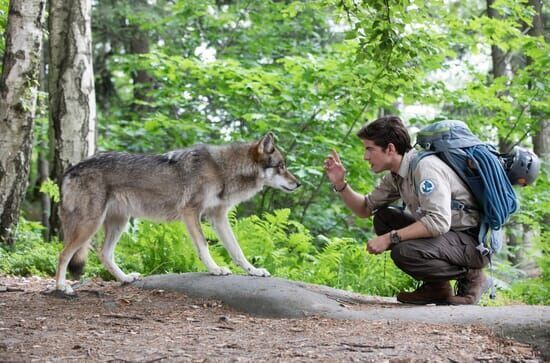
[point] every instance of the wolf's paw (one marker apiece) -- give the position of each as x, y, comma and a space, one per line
131, 277
65, 289
258, 272
63, 292
220, 271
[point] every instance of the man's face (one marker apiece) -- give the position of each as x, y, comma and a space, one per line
378, 158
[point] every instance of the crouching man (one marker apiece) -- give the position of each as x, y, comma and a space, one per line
429, 240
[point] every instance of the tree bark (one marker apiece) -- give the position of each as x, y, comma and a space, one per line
71, 86
541, 139
18, 94
497, 55
139, 44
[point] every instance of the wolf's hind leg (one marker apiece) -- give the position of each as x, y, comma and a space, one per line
192, 221
223, 229
114, 226
77, 236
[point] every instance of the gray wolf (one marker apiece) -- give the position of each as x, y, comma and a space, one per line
203, 180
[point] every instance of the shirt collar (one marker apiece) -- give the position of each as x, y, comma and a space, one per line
405, 163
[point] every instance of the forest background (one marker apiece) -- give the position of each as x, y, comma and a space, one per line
169, 74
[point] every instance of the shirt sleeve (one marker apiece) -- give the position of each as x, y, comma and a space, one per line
385, 193
433, 188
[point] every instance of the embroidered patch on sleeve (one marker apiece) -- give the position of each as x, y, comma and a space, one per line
427, 187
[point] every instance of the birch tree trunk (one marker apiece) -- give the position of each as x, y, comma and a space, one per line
541, 140
71, 86
18, 94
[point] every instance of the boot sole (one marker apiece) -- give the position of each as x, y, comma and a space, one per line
486, 286
425, 302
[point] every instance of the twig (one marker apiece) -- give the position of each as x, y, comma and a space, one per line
375, 346
309, 201
118, 316
156, 359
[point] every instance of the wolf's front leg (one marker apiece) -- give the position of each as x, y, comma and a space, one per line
223, 229
192, 222
114, 226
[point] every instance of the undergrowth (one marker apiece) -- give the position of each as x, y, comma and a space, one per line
282, 246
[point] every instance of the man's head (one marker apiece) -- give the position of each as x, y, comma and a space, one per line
386, 141
386, 130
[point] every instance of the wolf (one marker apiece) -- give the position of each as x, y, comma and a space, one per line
109, 188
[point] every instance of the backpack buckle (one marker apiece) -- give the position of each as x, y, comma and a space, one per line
456, 205
484, 251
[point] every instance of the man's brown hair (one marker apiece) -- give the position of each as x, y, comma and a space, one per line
385, 130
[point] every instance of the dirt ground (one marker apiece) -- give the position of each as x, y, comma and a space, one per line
110, 322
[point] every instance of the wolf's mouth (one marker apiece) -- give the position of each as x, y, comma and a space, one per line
287, 189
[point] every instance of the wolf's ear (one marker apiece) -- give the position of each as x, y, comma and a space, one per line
267, 144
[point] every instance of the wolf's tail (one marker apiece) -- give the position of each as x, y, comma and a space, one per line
78, 261
79, 223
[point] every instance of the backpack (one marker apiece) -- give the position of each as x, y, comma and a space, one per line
479, 165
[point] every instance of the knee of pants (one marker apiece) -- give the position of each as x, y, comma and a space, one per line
399, 256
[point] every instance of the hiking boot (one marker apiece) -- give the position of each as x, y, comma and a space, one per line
429, 293
470, 288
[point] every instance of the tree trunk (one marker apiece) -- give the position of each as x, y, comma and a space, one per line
44, 155
512, 230
497, 55
139, 44
71, 86
541, 140
18, 94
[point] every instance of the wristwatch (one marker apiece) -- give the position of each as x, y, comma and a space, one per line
394, 237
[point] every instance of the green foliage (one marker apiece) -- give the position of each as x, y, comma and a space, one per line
535, 290
51, 189
283, 246
4, 6
275, 242
312, 72
532, 291
30, 255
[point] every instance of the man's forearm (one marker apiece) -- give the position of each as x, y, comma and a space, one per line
414, 231
355, 202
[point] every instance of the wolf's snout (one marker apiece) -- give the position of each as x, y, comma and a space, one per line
292, 188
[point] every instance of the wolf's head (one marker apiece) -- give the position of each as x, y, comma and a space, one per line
272, 161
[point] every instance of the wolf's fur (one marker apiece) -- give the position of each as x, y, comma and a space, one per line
109, 188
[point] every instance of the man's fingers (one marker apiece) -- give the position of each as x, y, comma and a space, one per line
335, 155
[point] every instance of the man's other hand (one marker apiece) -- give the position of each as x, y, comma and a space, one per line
379, 244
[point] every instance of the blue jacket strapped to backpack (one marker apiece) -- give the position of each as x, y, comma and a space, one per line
479, 166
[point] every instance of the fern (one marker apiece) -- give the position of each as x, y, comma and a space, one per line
284, 247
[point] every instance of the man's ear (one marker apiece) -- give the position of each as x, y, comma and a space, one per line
391, 148
266, 144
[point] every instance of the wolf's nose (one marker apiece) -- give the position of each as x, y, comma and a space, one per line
298, 185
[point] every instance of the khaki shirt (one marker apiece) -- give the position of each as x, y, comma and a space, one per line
427, 194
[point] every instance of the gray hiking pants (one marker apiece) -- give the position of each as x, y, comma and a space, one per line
442, 258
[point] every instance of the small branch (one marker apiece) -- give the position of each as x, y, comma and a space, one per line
375, 346
323, 178
118, 316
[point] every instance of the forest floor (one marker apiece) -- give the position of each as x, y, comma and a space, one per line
110, 322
